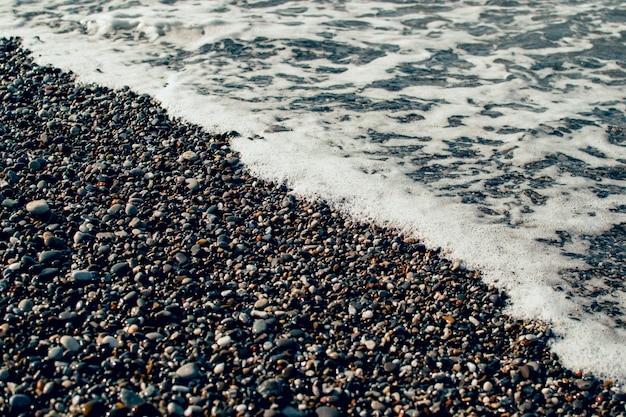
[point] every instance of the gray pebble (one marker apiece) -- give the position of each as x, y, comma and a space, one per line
187, 371
37, 207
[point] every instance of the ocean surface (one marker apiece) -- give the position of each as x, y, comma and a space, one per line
495, 130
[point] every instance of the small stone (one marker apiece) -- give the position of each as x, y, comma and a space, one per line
224, 341
48, 256
55, 353
377, 406
10, 203
325, 411
69, 343
130, 209
261, 303
19, 402
110, 341
487, 386
37, 207
187, 371
259, 326
370, 344
390, 366
175, 409
188, 156
367, 314
120, 268
130, 398
34, 165
26, 305
82, 276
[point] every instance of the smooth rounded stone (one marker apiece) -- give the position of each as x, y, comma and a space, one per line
4, 374
487, 386
10, 203
224, 341
80, 237
261, 303
34, 165
193, 410
110, 341
37, 207
370, 344
120, 268
115, 208
130, 398
55, 353
188, 156
187, 371
131, 209
175, 409
325, 411
48, 256
390, 366
69, 343
82, 276
181, 258
19, 402
26, 305
47, 274
67, 315
367, 314
259, 326
219, 368
52, 241
377, 406
154, 336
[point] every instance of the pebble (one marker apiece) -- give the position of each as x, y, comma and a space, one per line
224, 341
37, 207
70, 343
259, 326
325, 411
187, 371
19, 402
55, 353
82, 276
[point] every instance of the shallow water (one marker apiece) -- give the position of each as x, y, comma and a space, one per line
493, 129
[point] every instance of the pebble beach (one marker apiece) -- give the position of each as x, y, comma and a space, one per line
146, 272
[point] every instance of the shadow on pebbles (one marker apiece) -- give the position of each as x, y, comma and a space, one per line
147, 273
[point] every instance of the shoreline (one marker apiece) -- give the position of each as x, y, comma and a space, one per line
146, 273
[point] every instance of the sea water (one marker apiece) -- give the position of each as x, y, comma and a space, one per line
493, 129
